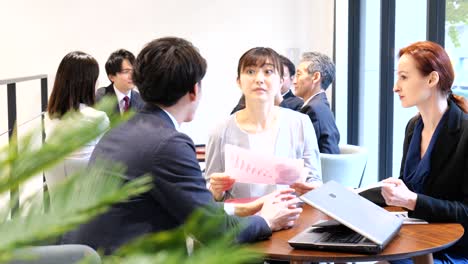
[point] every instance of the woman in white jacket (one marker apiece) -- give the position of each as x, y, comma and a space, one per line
263, 128
73, 90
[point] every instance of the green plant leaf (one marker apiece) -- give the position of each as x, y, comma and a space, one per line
90, 192
87, 194
171, 246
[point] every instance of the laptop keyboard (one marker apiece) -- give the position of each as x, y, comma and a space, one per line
338, 234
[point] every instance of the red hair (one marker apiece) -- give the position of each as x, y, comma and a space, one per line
429, 57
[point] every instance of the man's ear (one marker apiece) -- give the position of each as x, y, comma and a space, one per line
316, 76
433, 78
196, 92
111, 77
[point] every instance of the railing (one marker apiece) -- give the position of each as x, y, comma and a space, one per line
12, 120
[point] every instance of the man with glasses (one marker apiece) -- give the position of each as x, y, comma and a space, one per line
119, 69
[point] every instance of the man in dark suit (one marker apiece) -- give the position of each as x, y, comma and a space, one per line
314, 74
168, 72
287, 99
119, 69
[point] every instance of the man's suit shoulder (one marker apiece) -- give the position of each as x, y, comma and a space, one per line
137, 102
320, 103
157, 124
313, 109
293, 102
102, 91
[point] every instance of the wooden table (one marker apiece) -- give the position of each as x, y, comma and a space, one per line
411, 241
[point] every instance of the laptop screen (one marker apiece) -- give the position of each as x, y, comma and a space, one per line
353, 211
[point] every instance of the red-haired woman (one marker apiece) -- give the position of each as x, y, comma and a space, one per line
433, 182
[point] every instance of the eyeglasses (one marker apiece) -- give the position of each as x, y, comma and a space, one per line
126, 71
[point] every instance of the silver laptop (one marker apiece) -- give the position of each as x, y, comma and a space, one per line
358, 225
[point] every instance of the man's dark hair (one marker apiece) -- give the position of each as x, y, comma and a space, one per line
167, 69
289, 64
114, 62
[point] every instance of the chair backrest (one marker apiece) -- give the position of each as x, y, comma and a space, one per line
347, 168
62, 171
56, 254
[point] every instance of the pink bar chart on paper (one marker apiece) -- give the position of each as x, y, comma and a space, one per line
250, 167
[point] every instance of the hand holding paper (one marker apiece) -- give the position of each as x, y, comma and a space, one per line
304, 187
247, 166
395, 193
220, 182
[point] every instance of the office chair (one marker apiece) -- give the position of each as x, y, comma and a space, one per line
347, 168
57, 254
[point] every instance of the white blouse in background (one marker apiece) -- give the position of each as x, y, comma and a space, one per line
88, 114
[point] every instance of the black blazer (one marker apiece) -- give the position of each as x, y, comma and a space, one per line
289, 101
445, 197
136, 103
319, 112
149, 144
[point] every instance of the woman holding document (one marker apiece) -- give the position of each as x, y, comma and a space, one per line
433, 182
262, 128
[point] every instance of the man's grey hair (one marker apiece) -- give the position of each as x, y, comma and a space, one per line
320, 63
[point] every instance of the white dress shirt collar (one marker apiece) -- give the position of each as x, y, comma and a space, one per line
308, 100
174, 121
120, 97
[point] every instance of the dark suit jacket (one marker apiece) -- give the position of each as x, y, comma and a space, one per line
445, 197
318, 110
289, 101
136, 103
149, 144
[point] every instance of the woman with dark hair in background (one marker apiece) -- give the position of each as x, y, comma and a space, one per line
73, 90
263, 128
433, 183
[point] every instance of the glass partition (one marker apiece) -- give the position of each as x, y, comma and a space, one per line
456, 42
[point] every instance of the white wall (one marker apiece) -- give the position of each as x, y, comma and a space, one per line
40, 33
35, 35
